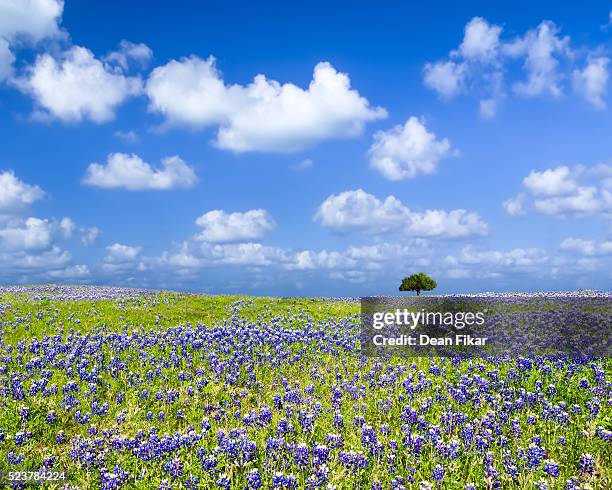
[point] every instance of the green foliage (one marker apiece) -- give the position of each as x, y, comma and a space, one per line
418, 282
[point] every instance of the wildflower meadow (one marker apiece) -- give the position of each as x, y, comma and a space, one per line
121, 388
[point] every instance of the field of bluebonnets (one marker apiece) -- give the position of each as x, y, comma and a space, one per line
133, 389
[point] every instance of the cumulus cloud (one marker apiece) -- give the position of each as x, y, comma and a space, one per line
515, 206
89, 235
550, 182
408, 150
194, 256
480, 40
471, 262
358, 210
78, 271
24, 262
29, 245
591, 82
129, 171
31, 234
587, 247
138, 53
562, 191
265, 115
363, 258
248, 253
66, 227
118, 253
16, 194
34, 19
540, 48
483, 60
7, 58
77, 86
127, 136
219, 226
584, 200
28, 21
445, 77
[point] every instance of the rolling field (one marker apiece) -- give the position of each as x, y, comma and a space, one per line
126, 388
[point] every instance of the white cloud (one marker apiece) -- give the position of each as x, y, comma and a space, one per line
15, 194
471, 262
7, 58
128, 51
488, 107
127, 136
27, 235
27, 21
89, 235
550, 182
349, 276
28, 246
587, 247
248, 253
364, 258
32, 233
18, 262
483, 60
480, 40
358, 210
118, 253
77, 86
584, 200
445, 77
78, 271
219, 226
191, 256
515, 206
564, 191
540, 47
33, 19
591, 83
263, 116
130, 172
408, 150
66, 227
453, 224
323, 259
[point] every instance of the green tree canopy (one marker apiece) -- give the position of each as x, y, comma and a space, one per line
418, 282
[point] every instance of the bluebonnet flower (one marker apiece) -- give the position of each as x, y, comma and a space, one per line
438, 473
551, 468
352, 460
253, 478
24, 412
14, 459
586, 464
223, 482
283, 481
112, 480
192, 482
174, 468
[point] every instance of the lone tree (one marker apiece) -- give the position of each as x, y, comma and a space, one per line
418, 282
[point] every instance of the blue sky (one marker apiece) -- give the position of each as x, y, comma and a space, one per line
331, 150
